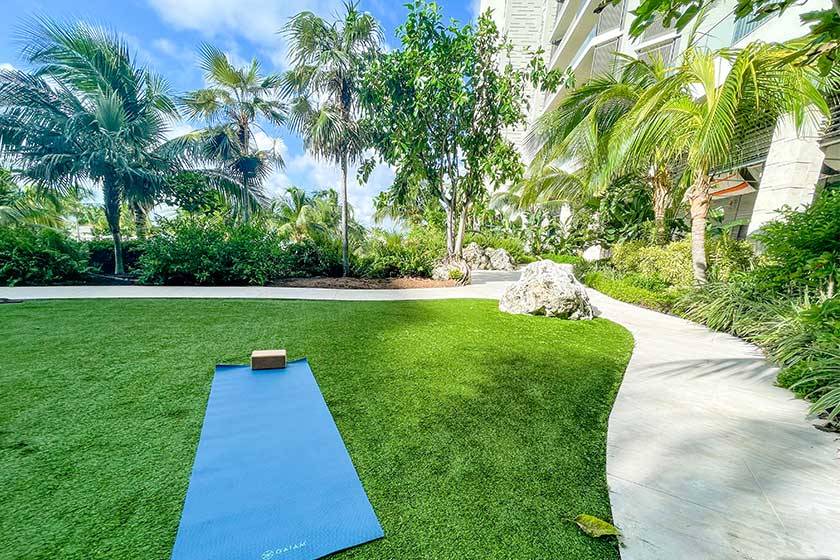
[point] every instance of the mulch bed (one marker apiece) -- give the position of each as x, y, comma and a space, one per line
364, 283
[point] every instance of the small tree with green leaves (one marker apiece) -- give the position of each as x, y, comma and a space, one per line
437, 109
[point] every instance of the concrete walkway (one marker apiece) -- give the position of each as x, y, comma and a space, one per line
486, 285
706, 458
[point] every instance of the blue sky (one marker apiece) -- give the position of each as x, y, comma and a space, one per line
165, 35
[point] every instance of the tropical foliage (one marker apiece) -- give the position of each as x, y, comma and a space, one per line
230, 104
86, 113
327, 60
442, 101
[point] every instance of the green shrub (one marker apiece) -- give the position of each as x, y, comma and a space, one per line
32, 256
620, 288
455, 274
196, 250
513, 245
387, 255
802, 248
671, 263
564, 259
101, 254
528, 259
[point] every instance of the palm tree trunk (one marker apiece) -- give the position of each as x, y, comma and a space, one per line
660, 200
140, 220
345, 253
246, 210
699, 199
111, 198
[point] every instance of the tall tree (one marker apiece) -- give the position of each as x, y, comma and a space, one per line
438, 106
583, 144
231, 104
327, 59
86, 113
698, 109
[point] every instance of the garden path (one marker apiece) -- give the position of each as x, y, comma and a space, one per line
706, 457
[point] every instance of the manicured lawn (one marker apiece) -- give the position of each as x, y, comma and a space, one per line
476, 434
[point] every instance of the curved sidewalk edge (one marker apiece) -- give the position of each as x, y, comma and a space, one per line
707, 458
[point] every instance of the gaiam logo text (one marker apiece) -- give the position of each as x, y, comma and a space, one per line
275, 552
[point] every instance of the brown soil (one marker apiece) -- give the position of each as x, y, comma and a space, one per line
364, 283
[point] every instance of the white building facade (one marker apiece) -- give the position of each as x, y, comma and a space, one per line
779, 166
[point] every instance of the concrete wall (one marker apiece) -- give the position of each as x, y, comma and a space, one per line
791, 171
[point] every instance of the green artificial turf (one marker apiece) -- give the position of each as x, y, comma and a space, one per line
476, 434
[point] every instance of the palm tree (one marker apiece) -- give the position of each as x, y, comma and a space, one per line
697, 111
86, 114
326, 59
583, 143
297, 215
27, 206
231, 103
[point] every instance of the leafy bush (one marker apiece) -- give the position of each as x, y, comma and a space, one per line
194, 250
630, 291
513, 245
32, 256
671, 263
455, 274
564, 259
101, 254
388, 255
802, 248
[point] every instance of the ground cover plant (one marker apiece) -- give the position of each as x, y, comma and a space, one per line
466, 451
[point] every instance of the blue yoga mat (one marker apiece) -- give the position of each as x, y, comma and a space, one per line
272, 479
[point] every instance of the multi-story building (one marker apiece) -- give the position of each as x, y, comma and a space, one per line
775, 166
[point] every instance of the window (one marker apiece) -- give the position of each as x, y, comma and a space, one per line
611, 17
664, 51
604, 59
744, 27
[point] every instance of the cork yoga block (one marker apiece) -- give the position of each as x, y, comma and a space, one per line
268, 359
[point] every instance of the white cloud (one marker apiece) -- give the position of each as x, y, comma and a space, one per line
177, 129
6, 67
254, 20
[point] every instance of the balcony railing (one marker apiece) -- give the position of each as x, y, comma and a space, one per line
604, 59
611, 17
744, 27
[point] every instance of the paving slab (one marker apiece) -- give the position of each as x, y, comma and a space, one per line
707, 458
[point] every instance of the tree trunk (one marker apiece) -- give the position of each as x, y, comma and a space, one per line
246, 209
450, 228
661, 187
111, 198
699, 199
345, 240
140, 220
459, 240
